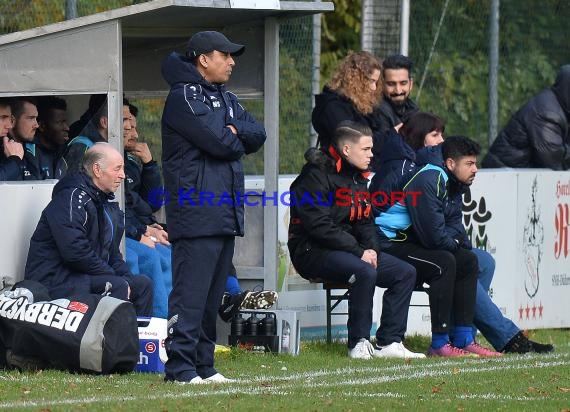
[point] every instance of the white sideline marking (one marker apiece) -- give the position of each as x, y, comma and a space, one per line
407, 372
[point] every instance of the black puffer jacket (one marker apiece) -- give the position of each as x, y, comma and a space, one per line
538, 135
321, 215
203, 173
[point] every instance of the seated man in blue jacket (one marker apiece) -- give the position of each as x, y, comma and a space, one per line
75, 247
417, 231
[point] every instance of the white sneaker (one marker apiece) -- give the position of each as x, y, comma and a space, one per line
396, 350
219, 378
362, 350
194, 381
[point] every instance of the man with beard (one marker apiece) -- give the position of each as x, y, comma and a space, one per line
396, 105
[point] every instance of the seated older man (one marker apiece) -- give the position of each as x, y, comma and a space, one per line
75, 248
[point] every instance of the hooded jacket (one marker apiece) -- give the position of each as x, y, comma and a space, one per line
435, 220
325, 215
78, 236
203, 174
538, 135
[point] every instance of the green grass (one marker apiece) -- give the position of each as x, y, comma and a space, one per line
322, 377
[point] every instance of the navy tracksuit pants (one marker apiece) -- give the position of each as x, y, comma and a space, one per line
397, 276
200, 267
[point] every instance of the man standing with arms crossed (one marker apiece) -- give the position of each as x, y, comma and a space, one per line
205, 133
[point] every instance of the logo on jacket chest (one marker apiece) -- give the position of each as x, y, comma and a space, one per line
215, 102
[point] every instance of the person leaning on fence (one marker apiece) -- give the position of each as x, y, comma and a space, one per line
538, 134
335, 240
75, 247
12, 153
205, 133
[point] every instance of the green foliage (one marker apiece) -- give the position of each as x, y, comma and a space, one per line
340, 34
532, 47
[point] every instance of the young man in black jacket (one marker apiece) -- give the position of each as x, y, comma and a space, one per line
332, 236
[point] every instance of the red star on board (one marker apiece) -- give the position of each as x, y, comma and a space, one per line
534, 311
521, 310
527, 311
540, 309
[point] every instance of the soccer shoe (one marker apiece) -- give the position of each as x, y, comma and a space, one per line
521, 344
449, 351
395, 350
482, 351
362, 350
231, 305
218, 378
263, 299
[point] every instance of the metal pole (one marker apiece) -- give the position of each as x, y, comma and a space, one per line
316, 78
405, 27
493, 70
70, 9
367, 31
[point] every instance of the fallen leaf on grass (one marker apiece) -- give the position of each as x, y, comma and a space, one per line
436, 389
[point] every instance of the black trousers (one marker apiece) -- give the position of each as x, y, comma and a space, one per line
452, 278
137, 289
398, 277
200, 267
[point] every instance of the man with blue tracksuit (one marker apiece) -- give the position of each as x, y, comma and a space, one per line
205, 133
500, 331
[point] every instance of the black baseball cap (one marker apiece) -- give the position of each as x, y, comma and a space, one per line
207, 41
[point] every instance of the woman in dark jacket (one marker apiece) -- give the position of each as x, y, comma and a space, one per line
351, 94
332, 236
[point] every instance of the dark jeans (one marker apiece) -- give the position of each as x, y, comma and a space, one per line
396, 276
452, 278
141, 290
200, 267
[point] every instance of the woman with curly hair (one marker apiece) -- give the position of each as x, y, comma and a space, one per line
352, 93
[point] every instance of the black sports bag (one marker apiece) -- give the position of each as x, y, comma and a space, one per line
88, 333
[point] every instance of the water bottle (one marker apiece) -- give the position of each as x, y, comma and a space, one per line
237, 326
252, 325
268, 323
285, 336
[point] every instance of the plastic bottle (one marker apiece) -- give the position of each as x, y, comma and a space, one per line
285, 337
252, 325
237, 326
268, 325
